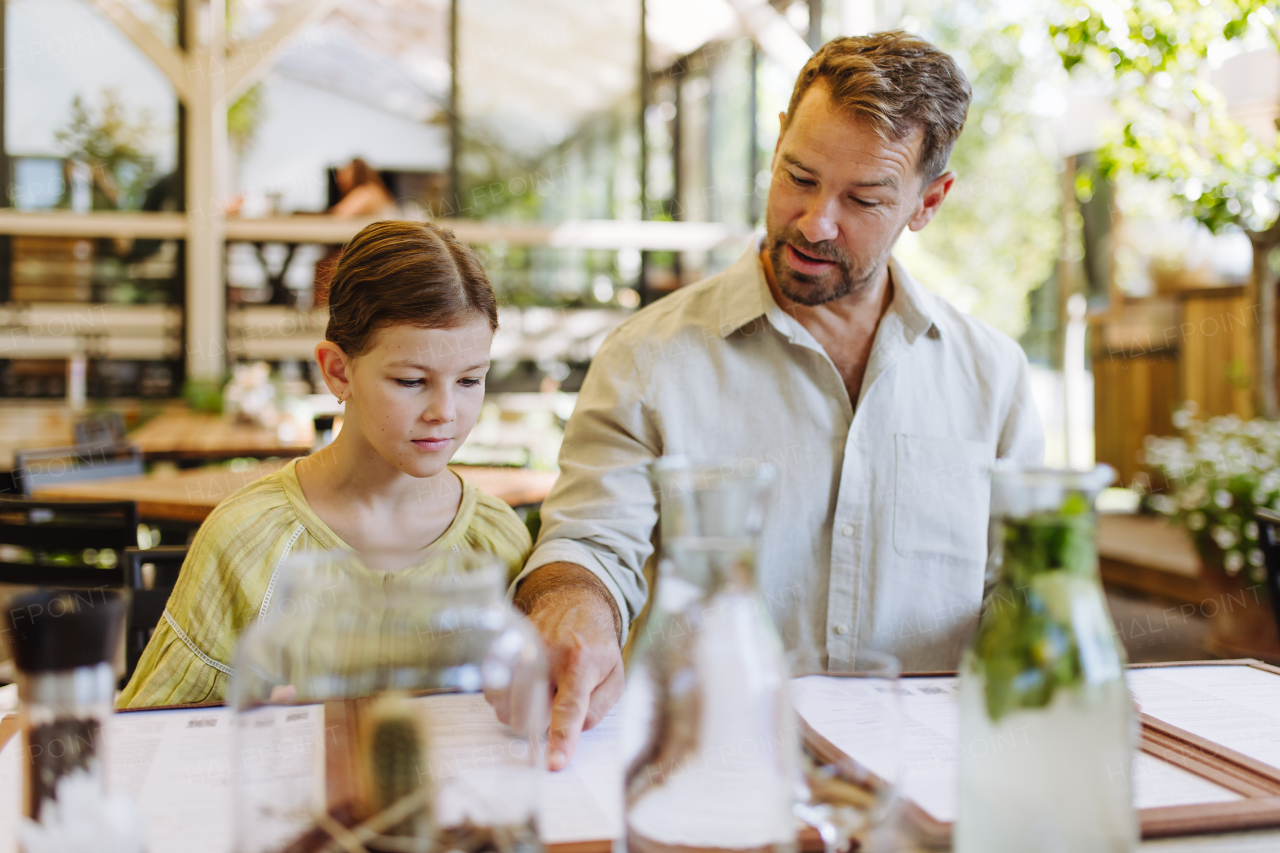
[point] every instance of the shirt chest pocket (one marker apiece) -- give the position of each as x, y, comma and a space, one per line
942, 494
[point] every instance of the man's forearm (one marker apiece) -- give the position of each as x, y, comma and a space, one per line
546, 585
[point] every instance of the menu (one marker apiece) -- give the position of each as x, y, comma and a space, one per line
177, 765
1235, 706
582, 803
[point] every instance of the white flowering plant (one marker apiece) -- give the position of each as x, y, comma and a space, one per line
1216, 473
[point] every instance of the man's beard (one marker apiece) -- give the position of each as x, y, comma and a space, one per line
845, 276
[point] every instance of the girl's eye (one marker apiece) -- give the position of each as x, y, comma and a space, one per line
409, 383
469, 383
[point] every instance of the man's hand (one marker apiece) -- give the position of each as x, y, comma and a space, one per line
580, 625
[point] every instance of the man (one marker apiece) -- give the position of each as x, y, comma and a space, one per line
881, 406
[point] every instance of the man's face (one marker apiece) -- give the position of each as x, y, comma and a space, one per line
841, 194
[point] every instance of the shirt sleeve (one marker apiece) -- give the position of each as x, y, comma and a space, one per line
1022, 435
602, 511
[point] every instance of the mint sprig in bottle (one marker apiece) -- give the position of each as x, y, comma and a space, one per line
1047, 726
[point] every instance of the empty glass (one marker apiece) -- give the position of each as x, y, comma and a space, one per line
389, 678
854, 757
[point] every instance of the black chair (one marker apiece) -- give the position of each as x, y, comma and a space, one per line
1269, 522
55, 535
58, 465
150, 576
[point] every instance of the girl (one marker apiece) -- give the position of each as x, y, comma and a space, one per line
411, 318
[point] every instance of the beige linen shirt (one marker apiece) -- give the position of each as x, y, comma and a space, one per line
876, 532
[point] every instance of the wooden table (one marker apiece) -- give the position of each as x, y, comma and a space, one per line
191, 495
1148, 555
191, 436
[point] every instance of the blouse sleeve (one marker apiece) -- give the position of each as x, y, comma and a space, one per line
169, 673
173, 670
218, 594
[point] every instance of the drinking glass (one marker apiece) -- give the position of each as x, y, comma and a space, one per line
385, 679
854, 761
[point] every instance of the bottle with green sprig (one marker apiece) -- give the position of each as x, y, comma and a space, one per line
1047, 727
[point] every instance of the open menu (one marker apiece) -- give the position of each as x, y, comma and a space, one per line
1209, 759
176, 764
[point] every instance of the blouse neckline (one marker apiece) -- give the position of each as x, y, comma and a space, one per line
452, 536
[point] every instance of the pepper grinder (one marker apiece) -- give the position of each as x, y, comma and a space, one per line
61, 644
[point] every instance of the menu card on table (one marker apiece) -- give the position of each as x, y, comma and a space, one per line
1209, 759
176, 763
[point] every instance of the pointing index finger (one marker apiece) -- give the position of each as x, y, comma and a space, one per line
568, 713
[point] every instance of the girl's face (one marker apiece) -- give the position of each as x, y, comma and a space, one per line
416, 394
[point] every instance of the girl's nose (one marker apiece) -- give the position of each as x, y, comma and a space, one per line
442, 407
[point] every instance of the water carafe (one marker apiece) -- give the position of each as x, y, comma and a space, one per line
710, 745
1047, 726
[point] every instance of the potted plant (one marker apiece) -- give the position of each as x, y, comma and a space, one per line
1210, 479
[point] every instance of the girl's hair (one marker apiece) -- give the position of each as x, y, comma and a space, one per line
405, 272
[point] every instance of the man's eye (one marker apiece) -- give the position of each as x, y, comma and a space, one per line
862, 202
409, 383
804, 182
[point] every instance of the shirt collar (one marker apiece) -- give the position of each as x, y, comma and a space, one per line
748, 297
911, 302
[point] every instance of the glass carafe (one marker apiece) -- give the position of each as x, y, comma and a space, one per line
710, 746
1047, 726
395, 674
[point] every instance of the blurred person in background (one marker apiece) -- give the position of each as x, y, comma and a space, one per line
363, 194
881, 405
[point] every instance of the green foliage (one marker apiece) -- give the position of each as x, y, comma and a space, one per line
1026, 646
1172, 123
998, 233
243, 118
112, 145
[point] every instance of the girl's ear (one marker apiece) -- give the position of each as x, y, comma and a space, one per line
334, 367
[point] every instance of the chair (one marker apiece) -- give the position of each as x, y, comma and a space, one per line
57, 533
149, 593
1269, 522
57, 465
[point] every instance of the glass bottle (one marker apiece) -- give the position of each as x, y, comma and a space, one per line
1047, 726
708, 740
405, 669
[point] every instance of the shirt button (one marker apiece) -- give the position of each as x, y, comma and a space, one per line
842, 629
847, 530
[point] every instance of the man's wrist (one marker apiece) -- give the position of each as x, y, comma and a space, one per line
546, 585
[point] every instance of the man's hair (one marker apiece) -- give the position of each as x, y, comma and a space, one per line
897, 83
405, 272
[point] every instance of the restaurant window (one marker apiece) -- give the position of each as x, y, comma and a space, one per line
90, 124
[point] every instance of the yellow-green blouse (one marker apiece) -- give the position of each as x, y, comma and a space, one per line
235, 560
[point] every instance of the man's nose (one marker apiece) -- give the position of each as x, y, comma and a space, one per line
818, 223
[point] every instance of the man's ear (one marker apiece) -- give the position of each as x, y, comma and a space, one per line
777, 145
335, 368
931, 200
